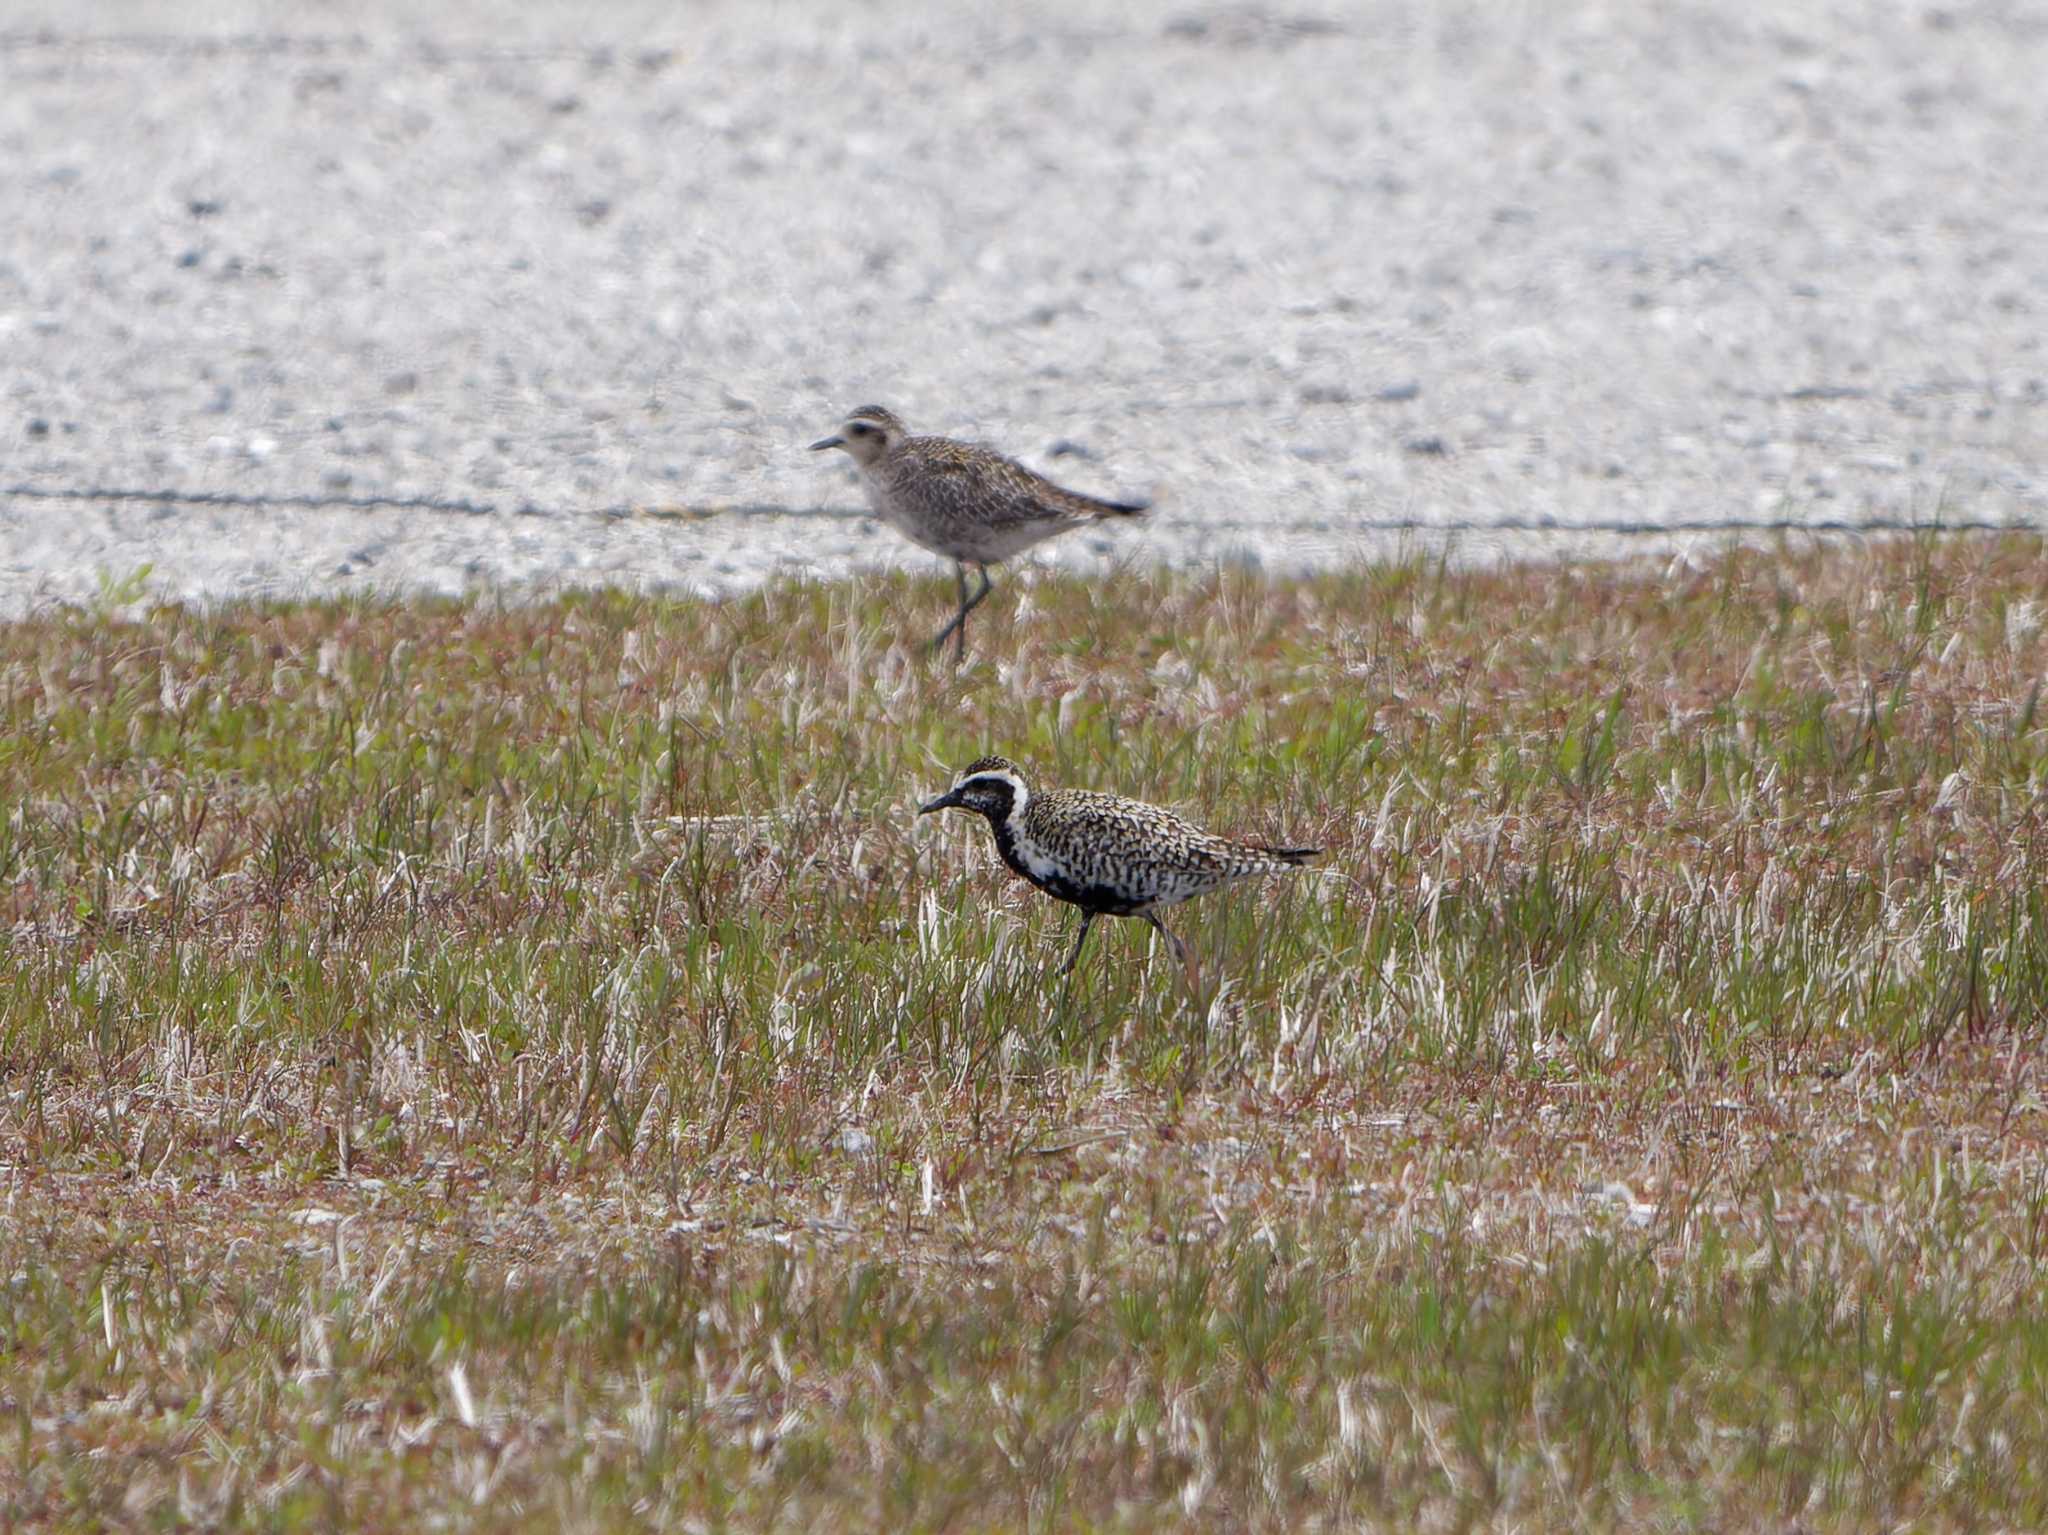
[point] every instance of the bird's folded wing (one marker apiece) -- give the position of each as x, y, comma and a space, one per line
1006, 494
1198, 857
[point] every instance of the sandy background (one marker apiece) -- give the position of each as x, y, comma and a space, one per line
1300, 273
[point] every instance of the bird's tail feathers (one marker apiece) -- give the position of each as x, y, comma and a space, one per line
1095, 506
1291, 855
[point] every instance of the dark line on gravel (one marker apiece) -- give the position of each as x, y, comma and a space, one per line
317, 45
1631, 529
453, 506
179, 43
463, 506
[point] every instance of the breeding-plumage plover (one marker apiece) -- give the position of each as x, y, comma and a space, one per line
968, 503
1110, 856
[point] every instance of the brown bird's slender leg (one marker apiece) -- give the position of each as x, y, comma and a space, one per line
1087, 920
957, 629
960, 619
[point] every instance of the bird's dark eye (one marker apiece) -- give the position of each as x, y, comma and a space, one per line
859, 429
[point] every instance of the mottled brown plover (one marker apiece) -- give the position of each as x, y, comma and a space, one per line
1110, 856
967, 503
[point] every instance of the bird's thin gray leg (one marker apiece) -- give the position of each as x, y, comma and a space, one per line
960, 618
987, 586
1180, 950
966, 606
1087, 920
1180, 955
957, 629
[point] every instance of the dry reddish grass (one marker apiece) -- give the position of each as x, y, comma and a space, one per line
523, 1066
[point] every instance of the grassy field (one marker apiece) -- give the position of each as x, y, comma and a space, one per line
528, 1067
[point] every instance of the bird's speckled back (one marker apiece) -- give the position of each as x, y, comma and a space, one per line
969, 502
1151, 856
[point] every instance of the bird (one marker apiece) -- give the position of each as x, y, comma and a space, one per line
1110, 856
965, 502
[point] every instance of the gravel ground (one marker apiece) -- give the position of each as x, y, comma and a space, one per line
1298, 273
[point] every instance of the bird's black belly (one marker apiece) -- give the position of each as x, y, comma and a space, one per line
1101, 900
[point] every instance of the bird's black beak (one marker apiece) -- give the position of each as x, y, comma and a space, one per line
945, 801
823, 443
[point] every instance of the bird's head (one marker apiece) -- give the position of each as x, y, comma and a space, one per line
866, 434
991, 786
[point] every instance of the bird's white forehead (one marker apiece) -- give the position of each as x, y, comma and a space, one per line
992, 775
